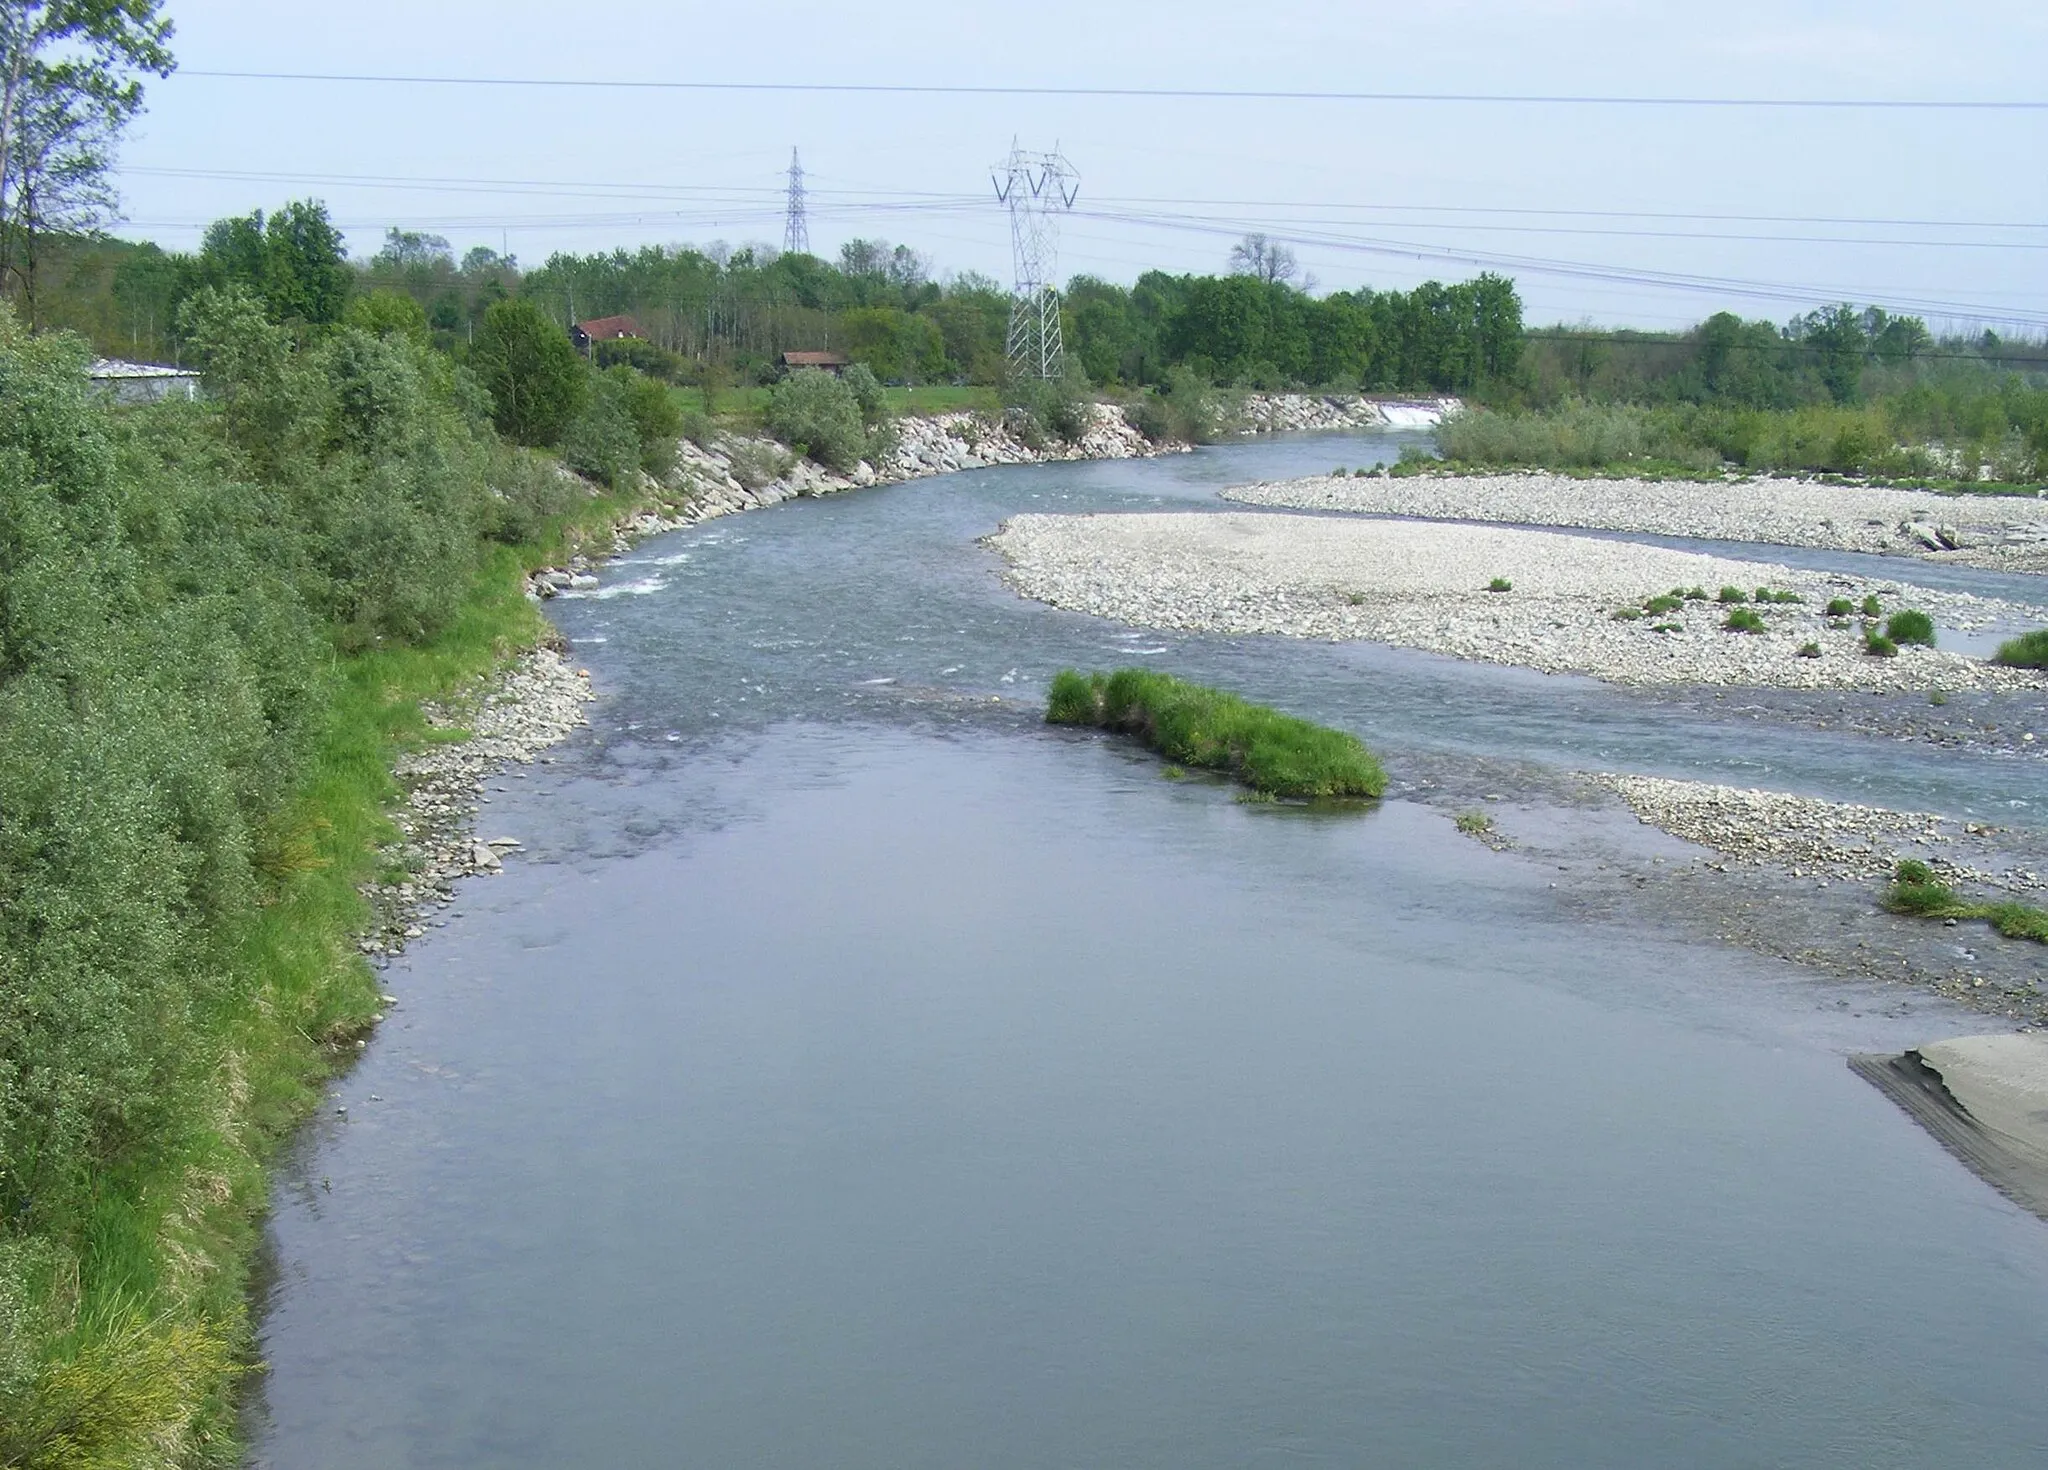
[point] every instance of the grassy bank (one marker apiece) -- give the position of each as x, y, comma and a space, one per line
217, 626
1917, 891
1275, 754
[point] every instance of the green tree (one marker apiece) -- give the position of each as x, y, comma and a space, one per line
384, 313
70, 81
530, 368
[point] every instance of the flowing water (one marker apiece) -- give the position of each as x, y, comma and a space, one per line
853, 1072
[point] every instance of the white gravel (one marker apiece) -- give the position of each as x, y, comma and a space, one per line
2003, 531
1421, 585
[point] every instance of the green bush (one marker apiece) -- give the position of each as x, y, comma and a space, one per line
820, 415
1840, 607
1036, 408
1910, 626
1742, 620
1500, 584
1658, 606
1732, 595
530, 368
602, 442
1878, 646
657, 421
1870, 606
1277, 755
2028, 651
1809, 650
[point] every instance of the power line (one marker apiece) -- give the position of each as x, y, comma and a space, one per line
1204, 94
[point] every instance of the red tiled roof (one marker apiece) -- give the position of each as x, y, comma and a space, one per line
610, 328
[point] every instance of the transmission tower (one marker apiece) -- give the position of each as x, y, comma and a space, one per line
796, 234
1037, 187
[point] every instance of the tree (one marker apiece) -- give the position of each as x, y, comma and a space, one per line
536, 381
69, 82
1263, 259
405, 249
293, 260
66, 88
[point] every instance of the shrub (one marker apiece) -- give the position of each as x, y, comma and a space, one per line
1658, 606
1809, 650
1878, 646
1910, 626
1840, 607
530, 368
1037, 407
1742, 620
601, 441
822, 414
528, 490
867, 392
756, 463
1870, 607
1474, 824
1627, 614
1277, 755
1692, 594
1767, 596
2028, 651
1500, 584
657, 421
637, 352
1732, 595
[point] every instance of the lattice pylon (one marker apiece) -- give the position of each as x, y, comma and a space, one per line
1038, 188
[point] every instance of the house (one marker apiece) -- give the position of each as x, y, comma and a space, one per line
830, 362
142, 382
604, 329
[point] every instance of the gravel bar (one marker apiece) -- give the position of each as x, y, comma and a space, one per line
2006, 532
1422, 585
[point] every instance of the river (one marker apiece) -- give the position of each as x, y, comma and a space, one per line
852, 1071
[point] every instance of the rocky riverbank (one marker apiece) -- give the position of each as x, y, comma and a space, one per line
1424, 585
2005, 532
1299, 413
510, 718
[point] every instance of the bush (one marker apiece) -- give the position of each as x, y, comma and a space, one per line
1910, 626
1809, 650
601, 442
755, 463
1500, 584
1035, 408
637, 352
657, 421
1277, 755
1184, 410
1840, 607
1658, 606
530, 368
1878, 646
1870, 607
1742, 620
818, 414
868, 393
1732, 595
2028, 651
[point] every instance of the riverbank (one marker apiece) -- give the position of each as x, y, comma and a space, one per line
1425, 586
1999, 532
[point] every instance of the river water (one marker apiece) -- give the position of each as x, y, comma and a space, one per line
853, 1072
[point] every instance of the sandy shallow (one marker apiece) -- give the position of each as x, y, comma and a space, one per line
2000, 531
1421, 585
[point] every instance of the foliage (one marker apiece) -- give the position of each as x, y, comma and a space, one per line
756, 463
1743, 620
602, 441
2028, 651
1916, 890
1038, 409
70, 81
1474, 824
820, 415
384, 312
1871, 607
1839, 607
1500, 584
530, 368
1877, 645
1910, 626
1275, 754
1184, 409
1730, 595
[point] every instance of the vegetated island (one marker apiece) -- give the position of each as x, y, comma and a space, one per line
1279, 756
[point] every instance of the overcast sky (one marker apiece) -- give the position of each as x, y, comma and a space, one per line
1357, 183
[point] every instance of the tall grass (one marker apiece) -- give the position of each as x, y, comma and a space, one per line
1916, 890
1275, 754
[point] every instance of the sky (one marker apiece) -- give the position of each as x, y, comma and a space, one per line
1765, 211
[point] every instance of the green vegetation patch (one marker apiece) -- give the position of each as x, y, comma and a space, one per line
1500, 584
2028, 651
1917, 890
1743, 620
1839, 607
1275, 754
1732, 595
1910, 626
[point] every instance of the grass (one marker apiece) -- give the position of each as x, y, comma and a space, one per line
1474, 824
1917, 890
1732, 595
1839, 607
1500, 584
1276, 755
1871, 608
1877, 645
1766, 595
1910, 626
1742, 620
2028, 651
1809, 650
